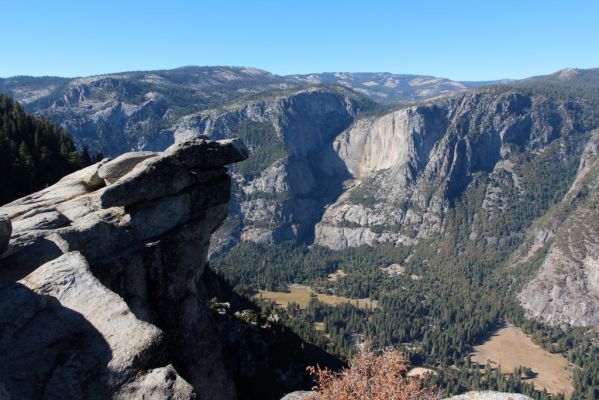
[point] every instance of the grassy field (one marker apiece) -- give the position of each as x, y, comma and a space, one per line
511, 348
301, 295
319, 326
336, 275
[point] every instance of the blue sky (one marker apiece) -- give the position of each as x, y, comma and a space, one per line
463, 40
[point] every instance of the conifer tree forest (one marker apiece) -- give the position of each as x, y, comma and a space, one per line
465, 289
34, 152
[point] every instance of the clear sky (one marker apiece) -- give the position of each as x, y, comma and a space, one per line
457, 39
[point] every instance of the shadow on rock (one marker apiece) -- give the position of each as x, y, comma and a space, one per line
22, 263
48, 351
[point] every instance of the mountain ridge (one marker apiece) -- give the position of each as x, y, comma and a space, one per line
449, 189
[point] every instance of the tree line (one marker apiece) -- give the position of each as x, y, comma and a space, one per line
34, 152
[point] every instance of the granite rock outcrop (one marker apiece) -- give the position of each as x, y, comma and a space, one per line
101, 291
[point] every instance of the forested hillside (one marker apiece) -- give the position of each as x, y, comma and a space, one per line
34, 152
446, 193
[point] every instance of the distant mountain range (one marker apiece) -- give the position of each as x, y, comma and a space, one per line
143, 110
384, 87
390, 88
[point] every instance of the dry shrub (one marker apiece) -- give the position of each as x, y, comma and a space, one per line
371, 376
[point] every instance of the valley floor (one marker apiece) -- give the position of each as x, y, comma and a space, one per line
302, 294
511, 348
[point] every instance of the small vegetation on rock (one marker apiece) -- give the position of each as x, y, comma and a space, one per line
266, 146
371, 376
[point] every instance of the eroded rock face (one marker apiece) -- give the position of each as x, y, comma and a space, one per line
100, 289
408, 166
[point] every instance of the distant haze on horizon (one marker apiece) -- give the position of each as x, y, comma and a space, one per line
462, 40
290, 74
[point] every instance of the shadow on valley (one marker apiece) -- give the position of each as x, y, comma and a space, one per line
329, 181
491, 333
265, 362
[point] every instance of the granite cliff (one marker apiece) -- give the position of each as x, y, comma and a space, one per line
563, 247
105, 292
280, 193
101, 282
522, 166
410, 166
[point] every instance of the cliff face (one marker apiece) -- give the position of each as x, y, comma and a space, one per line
282, 189
564, 248
101, 285
410, 166
505, 158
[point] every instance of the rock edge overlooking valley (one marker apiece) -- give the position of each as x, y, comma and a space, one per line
100, 286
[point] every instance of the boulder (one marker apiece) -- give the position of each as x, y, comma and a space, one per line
5, 232
300, 395
157, 384
489, 395
120, 166
179, 167
197, 153
149, 180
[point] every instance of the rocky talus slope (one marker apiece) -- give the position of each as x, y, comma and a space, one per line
101, 291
